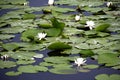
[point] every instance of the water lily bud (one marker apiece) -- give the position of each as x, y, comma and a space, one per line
109, 4
50, 2
77, 17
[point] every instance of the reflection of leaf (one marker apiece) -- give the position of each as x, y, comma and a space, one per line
12, 73
59, 46
7, 64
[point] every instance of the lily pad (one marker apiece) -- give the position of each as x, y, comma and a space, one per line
107, 77
13, 73
63, 71
59, 46
7, 64
102, 27
10, 46
109, 59
86, 53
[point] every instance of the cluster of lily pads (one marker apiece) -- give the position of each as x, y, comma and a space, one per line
64, 30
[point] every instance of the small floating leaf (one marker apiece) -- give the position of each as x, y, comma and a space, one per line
27, 69
13, 73
108, 77
7, 64
102, 27
63, 71
86, 52
59, 46
10, 46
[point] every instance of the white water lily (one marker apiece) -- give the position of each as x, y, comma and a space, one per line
109, 4
80, 61
77, 17
50, 2
41, 36
90, 24
4, 57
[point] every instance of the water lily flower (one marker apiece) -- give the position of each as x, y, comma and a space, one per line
90, 24
80, 61
25, 4
77, 17
50, 2
41, 36
4, 57
109, 4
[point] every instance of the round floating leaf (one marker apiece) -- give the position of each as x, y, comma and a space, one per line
102, 27
59, 46
109, 59
102, 77
28, 16
86, 52
10, 46
63, 70
7, 64
59, 60
27, 69
6, 36
25, 62
90, 66
108, 77
41, 68
12, 73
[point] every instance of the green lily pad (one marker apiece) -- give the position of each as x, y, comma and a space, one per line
25, 62
102, 27
6, 36
59, 46
12, 73
87, 53
28, 16
7, 64
107, 77
63, 71
10, 46
109, 59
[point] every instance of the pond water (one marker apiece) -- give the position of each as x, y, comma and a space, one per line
47, 75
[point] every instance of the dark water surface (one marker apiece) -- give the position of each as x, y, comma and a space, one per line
49, 76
